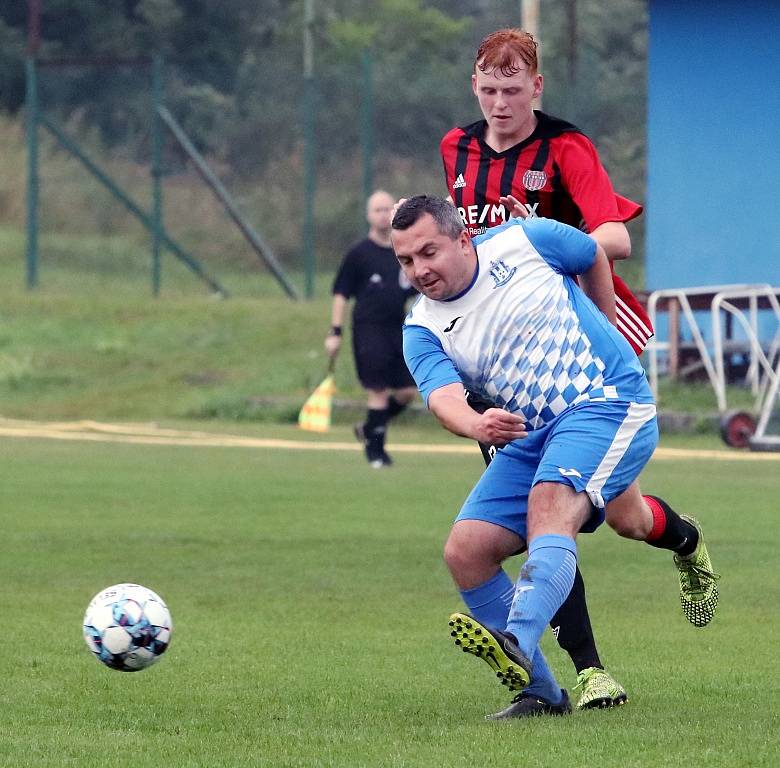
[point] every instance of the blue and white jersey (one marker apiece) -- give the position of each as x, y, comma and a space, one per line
523, 334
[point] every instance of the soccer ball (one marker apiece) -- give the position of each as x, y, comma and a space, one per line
128, 627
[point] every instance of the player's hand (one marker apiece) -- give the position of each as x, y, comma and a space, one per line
514, 206
332, 345
498, 427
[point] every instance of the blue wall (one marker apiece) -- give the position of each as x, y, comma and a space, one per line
713, 195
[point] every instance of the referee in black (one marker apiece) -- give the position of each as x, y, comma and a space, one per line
370, 274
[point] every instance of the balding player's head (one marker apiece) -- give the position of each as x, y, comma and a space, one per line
379, 211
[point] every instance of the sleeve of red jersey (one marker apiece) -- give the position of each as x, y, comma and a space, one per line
589, 186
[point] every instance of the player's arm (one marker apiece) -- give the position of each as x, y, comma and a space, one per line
596, 283
337, 310
613, 237
493, 427
590, 187
345, 287
442, 390
333, 339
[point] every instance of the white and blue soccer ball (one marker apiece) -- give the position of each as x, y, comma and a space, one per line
128, 627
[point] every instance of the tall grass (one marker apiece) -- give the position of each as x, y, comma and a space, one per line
91, 341
74, 204
95, 343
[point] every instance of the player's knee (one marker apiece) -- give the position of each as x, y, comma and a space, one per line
627, 525
618, 525
471, 560
458, 557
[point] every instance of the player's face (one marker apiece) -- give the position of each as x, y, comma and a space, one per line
507, 101
379, 211
435, 265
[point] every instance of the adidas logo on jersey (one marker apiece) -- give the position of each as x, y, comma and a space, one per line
459, 183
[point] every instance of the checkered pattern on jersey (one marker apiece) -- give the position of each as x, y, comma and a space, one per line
543, 363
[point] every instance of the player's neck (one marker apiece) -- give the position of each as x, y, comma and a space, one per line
380, 237
503, 141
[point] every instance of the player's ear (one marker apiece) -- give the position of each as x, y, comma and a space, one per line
474, 84
538, 85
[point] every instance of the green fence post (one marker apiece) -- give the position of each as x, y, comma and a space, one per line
157, 139
367, 127
134, 208
309, 149
32, 173
310, 185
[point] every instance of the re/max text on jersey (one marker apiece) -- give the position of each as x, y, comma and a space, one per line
490, 215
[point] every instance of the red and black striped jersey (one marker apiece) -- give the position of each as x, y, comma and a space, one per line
556, 173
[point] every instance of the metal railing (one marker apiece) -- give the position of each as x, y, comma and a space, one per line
689, 300
742, 303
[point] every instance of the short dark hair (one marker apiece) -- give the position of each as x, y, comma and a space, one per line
444, 213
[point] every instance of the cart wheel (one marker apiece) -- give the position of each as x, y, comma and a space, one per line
736, 428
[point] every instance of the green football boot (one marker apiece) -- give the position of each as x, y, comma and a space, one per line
599, 690
698, 590
496, 648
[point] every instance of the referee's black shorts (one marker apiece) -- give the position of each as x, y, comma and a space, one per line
379, 356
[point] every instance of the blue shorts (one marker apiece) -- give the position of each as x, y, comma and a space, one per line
596, 447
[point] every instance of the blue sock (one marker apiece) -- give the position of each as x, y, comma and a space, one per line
545, 581
543, 684
489, 602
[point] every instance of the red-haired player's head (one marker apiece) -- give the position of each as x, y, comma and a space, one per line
506, 82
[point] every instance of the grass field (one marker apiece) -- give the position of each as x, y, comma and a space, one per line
92, 343
308, 592
311, 604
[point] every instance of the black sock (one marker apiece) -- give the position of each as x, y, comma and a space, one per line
394, 407
572, 625
488, 452
670, 531
374, 429
480, 405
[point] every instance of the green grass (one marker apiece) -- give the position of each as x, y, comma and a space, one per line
91, 341
310, 605
84, 344
308, 593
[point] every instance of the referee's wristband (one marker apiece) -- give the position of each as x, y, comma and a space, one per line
335, 330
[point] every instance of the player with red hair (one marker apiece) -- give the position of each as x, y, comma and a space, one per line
519, 161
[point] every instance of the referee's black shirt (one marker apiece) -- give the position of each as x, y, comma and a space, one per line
371, 275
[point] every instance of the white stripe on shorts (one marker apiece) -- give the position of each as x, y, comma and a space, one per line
637, 416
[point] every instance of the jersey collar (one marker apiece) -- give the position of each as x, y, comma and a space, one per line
547, 127
468, 287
